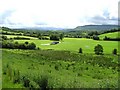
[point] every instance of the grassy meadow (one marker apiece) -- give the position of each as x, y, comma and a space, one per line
73, 44
58, 69
60, 65
111, 35
12, 36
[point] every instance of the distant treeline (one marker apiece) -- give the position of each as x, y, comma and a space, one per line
59, 35
14, 38
111, 39
10, 33
110, 31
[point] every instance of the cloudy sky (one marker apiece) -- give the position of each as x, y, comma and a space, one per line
57, 13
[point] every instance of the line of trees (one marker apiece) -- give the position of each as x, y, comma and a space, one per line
16, 45
111, 39
110, 31
15, 38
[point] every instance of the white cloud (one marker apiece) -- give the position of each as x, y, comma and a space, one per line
56, 13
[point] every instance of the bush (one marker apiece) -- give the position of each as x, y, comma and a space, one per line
95, 38
56, 67
80, 50
42, 81
16, 78
98, 49
4, 38
26, 43
26, 81
114, 51
32, 46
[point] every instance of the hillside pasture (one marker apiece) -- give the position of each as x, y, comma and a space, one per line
110, 35
73, 44
12, 36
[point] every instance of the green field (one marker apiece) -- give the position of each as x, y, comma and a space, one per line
59, 65
73, 44
57, 69
110, 35
12, 36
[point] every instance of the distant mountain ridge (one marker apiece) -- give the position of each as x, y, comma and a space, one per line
97, 27
40, 28
82, 28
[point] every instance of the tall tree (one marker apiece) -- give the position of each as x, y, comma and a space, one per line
80, 50
115, 52
98, 49
61, 36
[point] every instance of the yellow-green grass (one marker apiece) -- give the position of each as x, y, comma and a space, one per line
111, 35
12, 36
73, 44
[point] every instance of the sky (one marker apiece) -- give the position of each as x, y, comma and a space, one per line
57, 13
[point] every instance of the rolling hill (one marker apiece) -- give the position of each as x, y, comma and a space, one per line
96, 27
110, 35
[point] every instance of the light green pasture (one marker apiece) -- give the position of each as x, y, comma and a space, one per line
73, 44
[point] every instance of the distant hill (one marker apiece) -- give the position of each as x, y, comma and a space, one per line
82, 28
96, 27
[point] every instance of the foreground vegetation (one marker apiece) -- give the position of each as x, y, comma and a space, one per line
59, 60
58, 69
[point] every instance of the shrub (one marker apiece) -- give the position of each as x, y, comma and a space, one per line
16, 44
56, 67
98, 49
114, 51
16, 78
26, 81
26, 43
42, 82
95, 37
32, 46
80, 50
79, 74
4, 38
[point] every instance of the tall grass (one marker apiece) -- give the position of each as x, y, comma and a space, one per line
59, 69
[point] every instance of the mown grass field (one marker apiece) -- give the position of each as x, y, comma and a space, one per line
73, 44
12, 36
110, 35
58, 69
